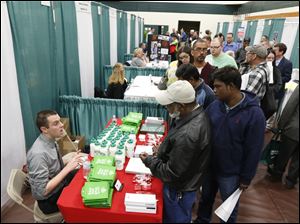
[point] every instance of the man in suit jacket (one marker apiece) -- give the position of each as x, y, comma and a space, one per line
288, 124
284, 65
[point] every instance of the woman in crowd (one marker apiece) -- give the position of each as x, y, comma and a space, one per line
117, 83
184, 56
138, 58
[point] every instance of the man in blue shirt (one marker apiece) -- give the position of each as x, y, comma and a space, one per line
229, 45
183, 36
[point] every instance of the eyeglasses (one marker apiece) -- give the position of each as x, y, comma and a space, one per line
200, 49
215, 47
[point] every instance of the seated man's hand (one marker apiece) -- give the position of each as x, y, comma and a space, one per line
74, 162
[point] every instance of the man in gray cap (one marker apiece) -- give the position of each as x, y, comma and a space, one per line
256, 77
183, 156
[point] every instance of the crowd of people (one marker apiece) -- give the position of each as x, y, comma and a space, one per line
217, 124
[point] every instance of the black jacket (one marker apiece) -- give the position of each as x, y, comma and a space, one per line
289, 119
116, 91
184, 154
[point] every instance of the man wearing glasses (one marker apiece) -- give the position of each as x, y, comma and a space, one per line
219, 58
183, 156
254, 80
205, 69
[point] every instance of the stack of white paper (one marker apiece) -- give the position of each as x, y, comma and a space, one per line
143, 148
136, 165
144, 203
225, 209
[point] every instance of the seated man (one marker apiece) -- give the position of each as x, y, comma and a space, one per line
47, 173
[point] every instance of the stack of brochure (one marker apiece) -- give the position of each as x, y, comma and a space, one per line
143, 203
131, 122
97, 194
103, 173
103, 160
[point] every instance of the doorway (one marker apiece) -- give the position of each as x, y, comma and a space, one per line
188, 25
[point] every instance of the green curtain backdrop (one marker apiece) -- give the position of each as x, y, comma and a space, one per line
295, 52
88, 116
274, 29
235, 30
218, 27
101, 37
132, 33
251, 30
34, 44
39, 46
127, 57
225, 28
67, 58
132, 72
122, 35
139, 28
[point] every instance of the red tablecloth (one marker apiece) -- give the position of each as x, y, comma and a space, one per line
73, 210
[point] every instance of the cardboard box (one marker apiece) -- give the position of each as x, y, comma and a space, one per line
66, 123
66, 146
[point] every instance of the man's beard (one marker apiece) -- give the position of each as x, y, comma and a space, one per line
200, 58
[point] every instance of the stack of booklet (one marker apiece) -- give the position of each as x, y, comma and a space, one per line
144, 203
131, 122
103, 173
97, 194
103, 160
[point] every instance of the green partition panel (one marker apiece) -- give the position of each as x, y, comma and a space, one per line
101, 36
122, 34
88, 116
128, 57
295, 52
274, 29
218, 27
46, 56
132, 33
251, 30
131, 72
235, 30
225, 28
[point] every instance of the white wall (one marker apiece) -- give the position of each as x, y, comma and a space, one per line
207, 21
12, 131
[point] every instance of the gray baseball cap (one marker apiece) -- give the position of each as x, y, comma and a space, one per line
259, 50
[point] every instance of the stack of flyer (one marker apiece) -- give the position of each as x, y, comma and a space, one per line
143, 203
